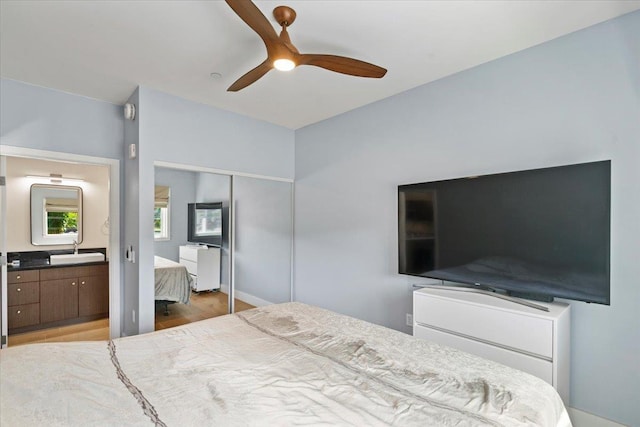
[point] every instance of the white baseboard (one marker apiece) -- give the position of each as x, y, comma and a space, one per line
584, 419
250, 299
245, 297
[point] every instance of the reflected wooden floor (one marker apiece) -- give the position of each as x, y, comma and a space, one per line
202, 306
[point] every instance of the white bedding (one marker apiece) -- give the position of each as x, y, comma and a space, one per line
286, 364
172, 281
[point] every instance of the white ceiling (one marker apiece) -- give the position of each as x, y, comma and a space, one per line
104, 49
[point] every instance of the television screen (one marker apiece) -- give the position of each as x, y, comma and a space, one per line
205, 223
538, 234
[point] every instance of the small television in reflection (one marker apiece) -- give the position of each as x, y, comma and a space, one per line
205, 223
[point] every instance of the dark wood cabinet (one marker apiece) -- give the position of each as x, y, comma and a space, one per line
20, 316
59, 300
23, 293
56, 296
23, 298
93, 295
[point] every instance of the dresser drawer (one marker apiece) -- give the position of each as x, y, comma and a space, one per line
23, 315
189, 253
486, 322
23, 293
192, 267
540, 368
23, 276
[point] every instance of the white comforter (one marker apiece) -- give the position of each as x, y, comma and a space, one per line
172, 281
287, 364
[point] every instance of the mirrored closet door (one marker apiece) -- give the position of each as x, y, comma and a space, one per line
232, 236
262, 231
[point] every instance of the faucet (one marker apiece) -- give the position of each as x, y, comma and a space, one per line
75, 247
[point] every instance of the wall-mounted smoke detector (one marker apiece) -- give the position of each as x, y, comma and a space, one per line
129, 111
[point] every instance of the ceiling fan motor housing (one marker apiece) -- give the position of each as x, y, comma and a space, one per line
284, 15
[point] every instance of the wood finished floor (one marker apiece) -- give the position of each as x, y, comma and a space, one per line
202, 306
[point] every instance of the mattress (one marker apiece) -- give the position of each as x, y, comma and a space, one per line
285, 364
172, 281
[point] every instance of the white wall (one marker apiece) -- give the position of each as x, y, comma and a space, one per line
572, 100
95, 198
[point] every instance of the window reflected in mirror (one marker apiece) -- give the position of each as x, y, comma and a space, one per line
61, 216
161, 213
56, 214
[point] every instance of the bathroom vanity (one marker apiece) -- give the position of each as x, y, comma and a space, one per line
48, 296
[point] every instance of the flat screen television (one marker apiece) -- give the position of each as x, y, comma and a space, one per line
536, 234
204, 223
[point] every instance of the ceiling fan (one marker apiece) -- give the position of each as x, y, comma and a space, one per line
283, 55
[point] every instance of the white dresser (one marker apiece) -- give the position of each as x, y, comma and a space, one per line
534, 341
203, 263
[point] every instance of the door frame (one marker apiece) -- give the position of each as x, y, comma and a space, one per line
115, 279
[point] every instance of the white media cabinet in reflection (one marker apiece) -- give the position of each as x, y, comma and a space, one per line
203, 264
534, 341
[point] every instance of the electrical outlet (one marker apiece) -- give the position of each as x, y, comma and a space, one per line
409, 319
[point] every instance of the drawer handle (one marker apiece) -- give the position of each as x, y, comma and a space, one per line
18, 312
82, 283
73, 283
18, 276
18, 290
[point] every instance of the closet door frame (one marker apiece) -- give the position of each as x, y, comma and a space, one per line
232, 174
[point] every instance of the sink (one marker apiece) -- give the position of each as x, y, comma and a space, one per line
81, 258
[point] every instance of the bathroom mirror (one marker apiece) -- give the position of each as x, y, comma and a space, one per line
56, 215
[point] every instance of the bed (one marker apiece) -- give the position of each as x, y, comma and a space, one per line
172, 282
284, 364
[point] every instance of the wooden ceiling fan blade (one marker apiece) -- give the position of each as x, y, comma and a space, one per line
251, 77
251, 15
342, 64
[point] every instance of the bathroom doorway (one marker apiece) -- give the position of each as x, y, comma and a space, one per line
60, 222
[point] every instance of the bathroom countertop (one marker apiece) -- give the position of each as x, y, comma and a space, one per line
11, 268
37, 260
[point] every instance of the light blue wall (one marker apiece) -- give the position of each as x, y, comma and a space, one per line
575, 99
46, 119
183, 186
131, 226
175, 130
186, 132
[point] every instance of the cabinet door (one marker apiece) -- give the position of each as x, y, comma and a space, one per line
59, 300
93, 295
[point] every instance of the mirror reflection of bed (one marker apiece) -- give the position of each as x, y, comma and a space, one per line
192, 231
178, 300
